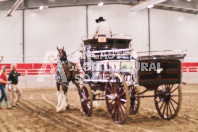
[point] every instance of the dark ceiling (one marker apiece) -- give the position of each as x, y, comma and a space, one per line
7, 4
187, 6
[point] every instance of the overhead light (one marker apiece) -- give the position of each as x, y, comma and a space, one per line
101, 3
145, 4
41, 7
150, 6
189, 0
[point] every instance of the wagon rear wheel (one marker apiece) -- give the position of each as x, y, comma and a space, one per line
117, 98
135, 101
86, 100
168, 100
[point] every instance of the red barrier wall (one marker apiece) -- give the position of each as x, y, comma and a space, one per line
33, 68
189, 66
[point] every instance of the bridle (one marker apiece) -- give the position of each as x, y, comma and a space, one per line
62, 54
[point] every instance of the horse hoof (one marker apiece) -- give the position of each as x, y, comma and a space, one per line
68, 107
59, 110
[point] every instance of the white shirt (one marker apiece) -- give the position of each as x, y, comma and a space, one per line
103, 28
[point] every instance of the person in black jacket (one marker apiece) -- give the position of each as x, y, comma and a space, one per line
13, 77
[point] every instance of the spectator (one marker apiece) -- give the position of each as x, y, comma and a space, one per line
3, 82
13, 77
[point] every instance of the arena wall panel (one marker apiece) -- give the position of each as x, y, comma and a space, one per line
11, 37
175, 30
47, 29
32, 81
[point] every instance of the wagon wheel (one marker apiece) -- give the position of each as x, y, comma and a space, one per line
117, 98
135, 101
168, 100
86, 100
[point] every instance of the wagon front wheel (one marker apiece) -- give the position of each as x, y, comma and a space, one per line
86, 99
117, 98
135, 101
168, 100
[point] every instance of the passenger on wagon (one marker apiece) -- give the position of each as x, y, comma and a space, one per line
103, 27
13, 77
3, 82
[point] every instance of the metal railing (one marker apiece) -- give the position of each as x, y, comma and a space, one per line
190, 69
31, 77
37, 71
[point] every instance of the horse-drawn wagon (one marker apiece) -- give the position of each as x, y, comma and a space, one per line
110, 65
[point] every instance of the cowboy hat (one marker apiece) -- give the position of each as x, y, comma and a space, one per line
100, 19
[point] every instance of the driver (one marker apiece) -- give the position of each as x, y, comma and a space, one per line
103, 27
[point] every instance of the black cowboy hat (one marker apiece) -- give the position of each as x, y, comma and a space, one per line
100, 19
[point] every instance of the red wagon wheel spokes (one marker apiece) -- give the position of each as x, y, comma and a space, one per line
86, 100
119, 112
174, 89
134, 106
122, 110
110, 88
168, 100
122, 103
116, 99
135, 101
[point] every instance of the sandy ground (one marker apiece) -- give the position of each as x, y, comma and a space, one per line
37, 114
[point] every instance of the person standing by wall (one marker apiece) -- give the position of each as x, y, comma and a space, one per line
3, 82
13, 77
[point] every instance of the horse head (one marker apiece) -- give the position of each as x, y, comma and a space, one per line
62, 54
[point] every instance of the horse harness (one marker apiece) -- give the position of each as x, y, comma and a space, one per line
70, 68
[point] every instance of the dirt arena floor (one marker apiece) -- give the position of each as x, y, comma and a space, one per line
37, 114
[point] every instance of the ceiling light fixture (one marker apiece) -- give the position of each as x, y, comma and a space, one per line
41, 7
150, 6
100, 3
